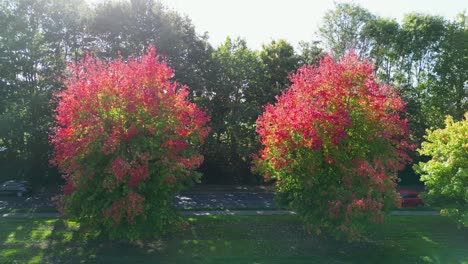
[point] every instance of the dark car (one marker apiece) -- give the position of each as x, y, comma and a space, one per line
410, 198
18, 188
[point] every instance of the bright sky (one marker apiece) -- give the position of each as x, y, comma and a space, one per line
260, 21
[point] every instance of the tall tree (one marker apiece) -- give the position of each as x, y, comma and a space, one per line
447, 84
342, 29
310, 53
383, 36
279, 60
34, 43
235, 103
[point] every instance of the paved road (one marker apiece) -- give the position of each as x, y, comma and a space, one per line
237, 200
233, 200
35, 201
233, 203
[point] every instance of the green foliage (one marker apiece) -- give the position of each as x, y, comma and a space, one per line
310, 53
343, 29
243, 81
446, 173
35, 40
234, 102
447, 84
279, 60
383, 34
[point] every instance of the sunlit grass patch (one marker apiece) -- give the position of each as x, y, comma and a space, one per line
237, 239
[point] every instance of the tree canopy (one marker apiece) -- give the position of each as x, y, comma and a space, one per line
423, 58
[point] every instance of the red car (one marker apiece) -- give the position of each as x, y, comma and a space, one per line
410, 198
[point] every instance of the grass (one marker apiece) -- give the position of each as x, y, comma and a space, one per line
236, 239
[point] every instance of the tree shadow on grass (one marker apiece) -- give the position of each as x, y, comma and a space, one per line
22, 240
71, 243
414, 239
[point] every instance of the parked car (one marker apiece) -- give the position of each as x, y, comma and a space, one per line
410, 198
18, 188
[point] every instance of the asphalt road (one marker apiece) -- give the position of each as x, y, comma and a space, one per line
35, 201
224, 203
234, 200
230, 203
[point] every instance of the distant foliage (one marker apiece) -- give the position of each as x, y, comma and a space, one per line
446, 174
126, 139
333, 143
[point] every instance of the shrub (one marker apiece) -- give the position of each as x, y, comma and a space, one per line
446, 173
333, 143
126, 140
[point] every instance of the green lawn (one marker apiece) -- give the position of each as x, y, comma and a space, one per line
237, 239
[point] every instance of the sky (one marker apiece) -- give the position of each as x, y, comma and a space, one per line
261, 21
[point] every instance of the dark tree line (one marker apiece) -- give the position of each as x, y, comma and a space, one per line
425, 57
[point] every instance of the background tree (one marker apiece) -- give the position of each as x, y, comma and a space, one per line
310, 53
343, 29
383, 36
36, 39
245, 81
333, 143
447, 83
235, 102
445, 175
279, 60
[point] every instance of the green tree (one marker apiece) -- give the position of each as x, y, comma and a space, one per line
447, 84
310, 53
35, 40
420, 47
279, 60
343, 29
383, 37
446, 173
235, 102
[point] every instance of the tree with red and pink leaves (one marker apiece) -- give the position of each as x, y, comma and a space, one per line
333, 143
126, 139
